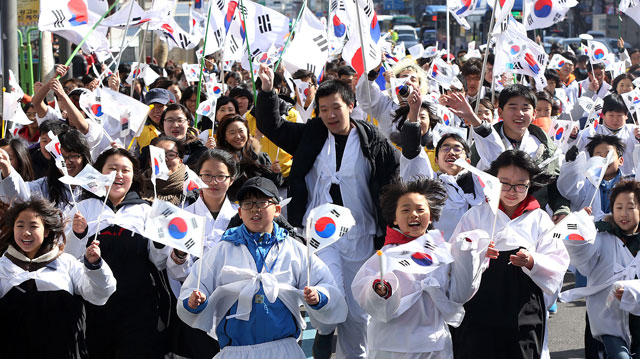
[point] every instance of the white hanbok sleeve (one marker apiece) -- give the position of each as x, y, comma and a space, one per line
585, 254
573, 184
381, 106
335, 311
15, 188
176, 271
410, 170
379, 308
203, 320
489, 148
467, 267
550, 259
94, 285
158, 256
630, 301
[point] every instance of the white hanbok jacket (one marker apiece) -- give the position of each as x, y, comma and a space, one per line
490, 147
214, 229
626, 136
229, 275
132, 217
551, 259
414, 320
605, 261
65, 273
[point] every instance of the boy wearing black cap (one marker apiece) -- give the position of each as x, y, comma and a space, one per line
257, 277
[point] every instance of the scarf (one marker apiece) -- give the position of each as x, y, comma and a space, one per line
528, 204
169, 190
32, 265
395, 236
631, 241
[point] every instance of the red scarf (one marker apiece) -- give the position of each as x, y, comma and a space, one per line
395, 236
528, 204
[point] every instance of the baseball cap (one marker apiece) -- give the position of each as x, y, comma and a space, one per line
158, 95
264, 185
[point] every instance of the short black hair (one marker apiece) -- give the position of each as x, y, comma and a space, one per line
611, 140
55, 126
231, 74
303, 74
521, 159
124, 68
553, 76
544, 96
432, 190
517, 90
594, 66
346, 71
614, 103
331, 87
473, 66
570, 56
179, 144
456, 137
625, 186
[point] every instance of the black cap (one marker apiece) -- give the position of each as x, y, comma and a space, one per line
158, 95
264, 185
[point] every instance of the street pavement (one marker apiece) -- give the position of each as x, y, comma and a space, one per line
566, 327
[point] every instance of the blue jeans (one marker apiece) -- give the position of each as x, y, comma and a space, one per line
616, 348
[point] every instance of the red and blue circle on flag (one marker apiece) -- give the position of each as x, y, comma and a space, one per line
559, 133
542, 8
422, 259
178, 228
339, 29
325, 227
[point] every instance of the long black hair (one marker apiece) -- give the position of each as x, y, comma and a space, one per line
52, 219
25, 168
71, 140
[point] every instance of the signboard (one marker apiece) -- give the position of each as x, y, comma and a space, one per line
28, 12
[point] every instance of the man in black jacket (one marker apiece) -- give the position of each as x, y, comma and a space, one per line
342, 161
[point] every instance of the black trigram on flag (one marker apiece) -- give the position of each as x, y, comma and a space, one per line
322, 43
242, 9
517, 66
557, 17
334, 5
60, 17
542, 59
183, 41
572, 226
335, 213
161, 233
311, 68
190, 243
220, 4
167, 212
264, 23
372, 52
529, 20
404, 263
255, 53
314, 243
556, 235
367, 9
343, 231
429, 245
217, 35
233, 44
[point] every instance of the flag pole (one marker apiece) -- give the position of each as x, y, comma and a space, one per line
117, 59
124, 37
144, 40
486, 54
290, 35
307, 235
379, 252
448, 39
364, 61
75, 51
106, 197
200, 260
246, 39
204, 49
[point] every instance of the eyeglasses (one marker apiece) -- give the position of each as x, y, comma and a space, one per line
218, 178
171, 155
519, 188
455, 149
260, 204
71, 158
174, 121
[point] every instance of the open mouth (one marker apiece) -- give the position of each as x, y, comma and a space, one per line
414, 224
26, 242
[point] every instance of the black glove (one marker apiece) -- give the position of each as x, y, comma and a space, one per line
572, 154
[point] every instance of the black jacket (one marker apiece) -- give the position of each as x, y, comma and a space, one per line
305, 141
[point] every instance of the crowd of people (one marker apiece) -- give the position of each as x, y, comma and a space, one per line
79, 277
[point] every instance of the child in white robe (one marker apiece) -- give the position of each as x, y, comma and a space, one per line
410, 313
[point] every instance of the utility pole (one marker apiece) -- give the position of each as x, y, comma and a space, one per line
9, 37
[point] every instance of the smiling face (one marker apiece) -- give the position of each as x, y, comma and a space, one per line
224, 110
626, 212
625, 85
517, 115
236, 135
156, 112
44, 141
124, 176
217, 190
29, 232
413, 215
543, 109
448, 153
511, 176
172, 156
73, 161
176, 124
259, 220
335, 113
